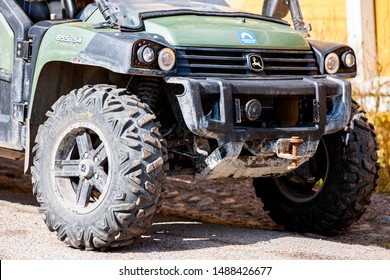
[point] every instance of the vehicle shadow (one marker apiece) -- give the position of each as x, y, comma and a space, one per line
172, 236
15, 186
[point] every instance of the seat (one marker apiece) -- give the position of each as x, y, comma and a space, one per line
55, 8
70, 8
37, 10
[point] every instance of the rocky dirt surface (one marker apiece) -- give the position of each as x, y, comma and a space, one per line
221, 219
228, 202
233, 202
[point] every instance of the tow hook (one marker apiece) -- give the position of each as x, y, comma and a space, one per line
288, 148
295, 141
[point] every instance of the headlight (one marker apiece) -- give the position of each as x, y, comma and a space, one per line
146, 54
349, 59
166, 59
332, 63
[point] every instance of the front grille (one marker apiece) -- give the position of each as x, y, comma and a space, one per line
209, 62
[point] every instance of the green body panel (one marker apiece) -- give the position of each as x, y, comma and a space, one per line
55, 46
218, 31
6, 46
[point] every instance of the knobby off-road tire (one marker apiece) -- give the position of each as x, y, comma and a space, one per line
98, 167
331, 191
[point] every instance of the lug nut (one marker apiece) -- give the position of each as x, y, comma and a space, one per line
96, 176
95, 159
86, 154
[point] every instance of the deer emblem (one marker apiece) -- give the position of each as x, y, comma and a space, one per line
256, 63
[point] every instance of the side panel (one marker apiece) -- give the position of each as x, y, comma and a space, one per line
6, 46
14, 27
6, 64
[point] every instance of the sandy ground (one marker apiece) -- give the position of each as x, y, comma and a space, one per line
247, 234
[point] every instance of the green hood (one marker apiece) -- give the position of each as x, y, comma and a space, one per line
226, 32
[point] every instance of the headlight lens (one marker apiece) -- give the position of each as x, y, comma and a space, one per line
146, 54
349, 59
166, 59
332, 63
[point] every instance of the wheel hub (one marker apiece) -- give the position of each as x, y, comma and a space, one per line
87, 168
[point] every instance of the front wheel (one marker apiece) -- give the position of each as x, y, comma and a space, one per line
98, 167
333, 189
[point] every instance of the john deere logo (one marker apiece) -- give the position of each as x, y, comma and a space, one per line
256, 62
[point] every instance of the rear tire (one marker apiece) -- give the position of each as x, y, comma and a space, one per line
98, 168
333, 189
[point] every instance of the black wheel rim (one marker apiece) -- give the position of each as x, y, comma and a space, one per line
308, 180
81, 168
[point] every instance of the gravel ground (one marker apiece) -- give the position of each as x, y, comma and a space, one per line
234, 203
230, 224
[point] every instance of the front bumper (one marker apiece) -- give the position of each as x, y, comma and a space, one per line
330, 109
222, 128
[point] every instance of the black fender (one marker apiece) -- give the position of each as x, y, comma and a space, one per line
116, 51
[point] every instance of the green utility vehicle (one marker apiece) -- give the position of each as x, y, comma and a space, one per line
103, 100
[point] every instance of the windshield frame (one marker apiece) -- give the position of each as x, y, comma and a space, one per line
106, 8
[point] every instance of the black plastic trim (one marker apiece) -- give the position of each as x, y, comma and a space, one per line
5, 77
322, 48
